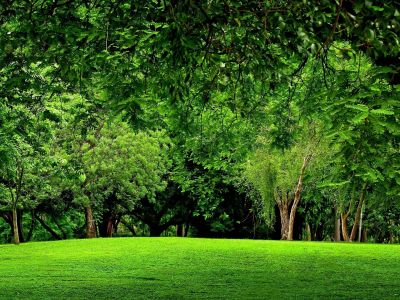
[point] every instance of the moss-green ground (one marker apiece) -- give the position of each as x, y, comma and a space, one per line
182, 268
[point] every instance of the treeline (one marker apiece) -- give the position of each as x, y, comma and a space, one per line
228, 119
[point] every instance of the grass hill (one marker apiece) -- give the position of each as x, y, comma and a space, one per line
182, 268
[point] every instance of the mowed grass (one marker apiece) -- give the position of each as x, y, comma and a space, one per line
182, 268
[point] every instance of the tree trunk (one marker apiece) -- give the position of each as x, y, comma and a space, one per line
297, 196
364, 235
179, 230
345, 233
186, 230
391, 238
52, 232
284, 212
15, 225
155, 230
357, 219
20, 228
90, 224
308, 231
110, 224
337, 227
313, 230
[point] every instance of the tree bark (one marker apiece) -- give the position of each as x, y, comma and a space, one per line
391, 238
284, 212
357, 219
52, 232
313, 230
345, 233
308, 231
364, 235
337, 227
15, 225
20, 228
90, 224
110, 224
297, 197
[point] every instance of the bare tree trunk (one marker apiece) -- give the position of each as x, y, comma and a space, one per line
110, 224
15, 225
391, 238
361, 219
337, 227
20, 228
308, 231
90, 224
186, 229
345, 233
364, 235
313, 230
284, 212
357, 219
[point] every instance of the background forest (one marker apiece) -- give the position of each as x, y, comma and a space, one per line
223, 119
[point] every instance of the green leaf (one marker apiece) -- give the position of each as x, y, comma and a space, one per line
314, 49
382, 112
370, 34
359, 117
64, 68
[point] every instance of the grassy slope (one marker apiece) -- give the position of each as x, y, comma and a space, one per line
181, 268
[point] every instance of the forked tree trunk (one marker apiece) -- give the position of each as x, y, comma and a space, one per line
15, 225
90, 224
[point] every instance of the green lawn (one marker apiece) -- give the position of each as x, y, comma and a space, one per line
182, 268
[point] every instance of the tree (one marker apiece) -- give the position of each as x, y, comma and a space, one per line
279, 176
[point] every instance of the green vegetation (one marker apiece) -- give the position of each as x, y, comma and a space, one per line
252, 119
173, 268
